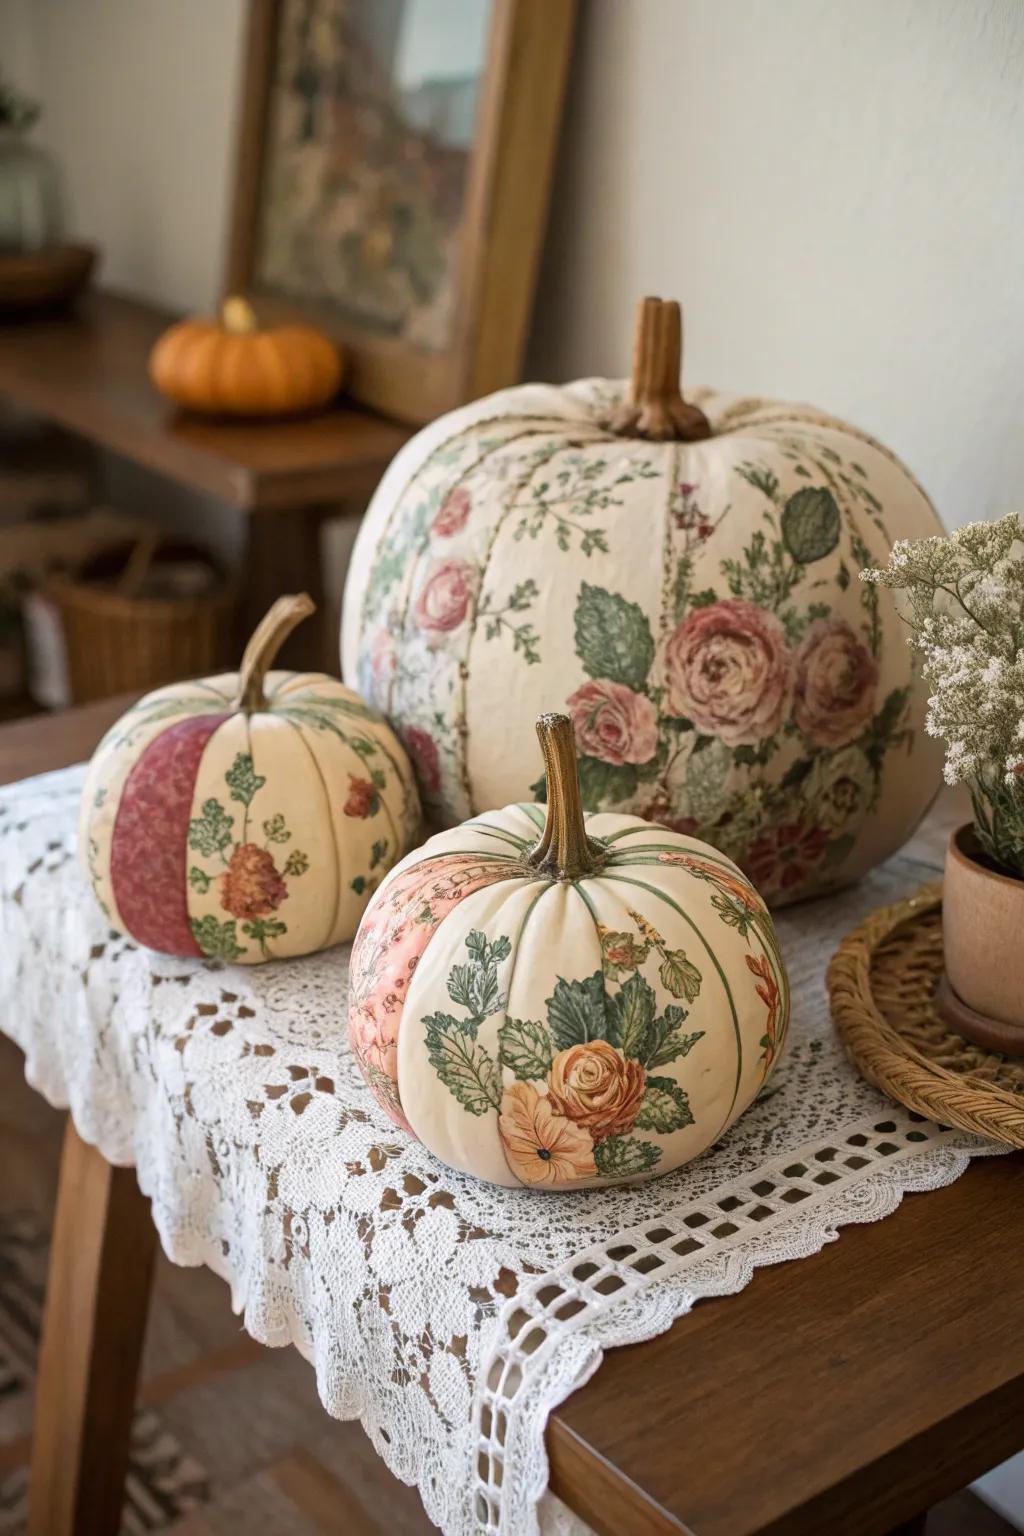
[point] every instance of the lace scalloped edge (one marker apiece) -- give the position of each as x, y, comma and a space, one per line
528, 1507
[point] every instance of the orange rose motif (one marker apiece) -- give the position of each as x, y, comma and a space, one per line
596, 1086
252, 886
542, 1146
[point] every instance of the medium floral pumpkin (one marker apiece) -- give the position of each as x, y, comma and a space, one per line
685, 579
555, 1001
233, 367
246, 816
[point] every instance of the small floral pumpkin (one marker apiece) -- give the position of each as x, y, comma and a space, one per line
249, 815
553, 1001
683, 582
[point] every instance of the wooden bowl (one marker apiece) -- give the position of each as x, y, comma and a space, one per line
40, 280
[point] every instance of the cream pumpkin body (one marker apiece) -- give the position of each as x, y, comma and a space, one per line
557, 1015
693, 604
245, 831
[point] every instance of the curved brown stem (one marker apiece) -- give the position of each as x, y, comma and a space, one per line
656, 409
564, 851
264, 643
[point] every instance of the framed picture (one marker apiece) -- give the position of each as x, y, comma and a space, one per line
394, 168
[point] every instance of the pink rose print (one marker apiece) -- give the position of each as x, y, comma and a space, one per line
445, 597
727, 668
382, 658
836, 679
422, 748
453, 515
613, 723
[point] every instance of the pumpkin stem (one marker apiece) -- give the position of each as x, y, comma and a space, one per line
264, 643
564, 851
656, 409
238, 316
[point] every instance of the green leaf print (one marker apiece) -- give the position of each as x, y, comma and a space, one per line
242, 781
198, 880
679, 975
217, 939
378, 853
578, 1012
296, 863
707, 771
622, 1157
613, 637
666, 1041
525, 1049
212, 832
275, 830
810, 524
464, 1067
635, 1006
664, 1107
602, 783
475, 986
263, 928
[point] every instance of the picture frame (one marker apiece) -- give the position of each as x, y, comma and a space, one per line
456, 329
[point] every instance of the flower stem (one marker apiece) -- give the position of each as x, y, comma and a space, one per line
564, 851
265, 642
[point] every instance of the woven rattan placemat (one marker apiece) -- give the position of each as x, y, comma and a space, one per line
882, 983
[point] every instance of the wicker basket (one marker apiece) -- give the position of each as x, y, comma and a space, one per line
118, 642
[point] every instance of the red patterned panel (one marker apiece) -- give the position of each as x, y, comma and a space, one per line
149, 854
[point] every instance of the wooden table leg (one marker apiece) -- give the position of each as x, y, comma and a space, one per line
97, 1297
283, 554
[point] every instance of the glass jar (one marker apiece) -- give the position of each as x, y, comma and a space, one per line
30, 195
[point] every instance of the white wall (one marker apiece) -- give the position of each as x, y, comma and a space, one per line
139, 99
836, 193
833, 189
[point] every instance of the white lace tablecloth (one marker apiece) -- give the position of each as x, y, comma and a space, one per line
450, 1317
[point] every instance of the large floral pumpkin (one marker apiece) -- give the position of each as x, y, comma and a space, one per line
248, 815
556, 1001
684, 580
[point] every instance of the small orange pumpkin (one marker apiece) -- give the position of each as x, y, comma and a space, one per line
232, 367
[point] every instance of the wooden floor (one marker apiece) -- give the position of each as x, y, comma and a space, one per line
230, 1438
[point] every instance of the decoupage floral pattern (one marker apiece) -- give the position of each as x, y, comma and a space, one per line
387, 950
194, 844
240, 862
699, 620
588, 1078
572, 1090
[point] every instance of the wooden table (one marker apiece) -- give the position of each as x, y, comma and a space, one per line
843, 1393
87, 371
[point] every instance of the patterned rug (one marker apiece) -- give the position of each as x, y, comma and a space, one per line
164, 1481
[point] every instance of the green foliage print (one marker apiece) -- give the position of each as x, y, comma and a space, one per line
241, 868
540, 1078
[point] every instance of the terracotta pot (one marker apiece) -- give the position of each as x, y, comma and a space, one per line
982, 926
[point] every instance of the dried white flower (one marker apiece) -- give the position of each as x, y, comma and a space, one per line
963, 598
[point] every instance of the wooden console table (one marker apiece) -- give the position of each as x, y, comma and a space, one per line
86, 371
